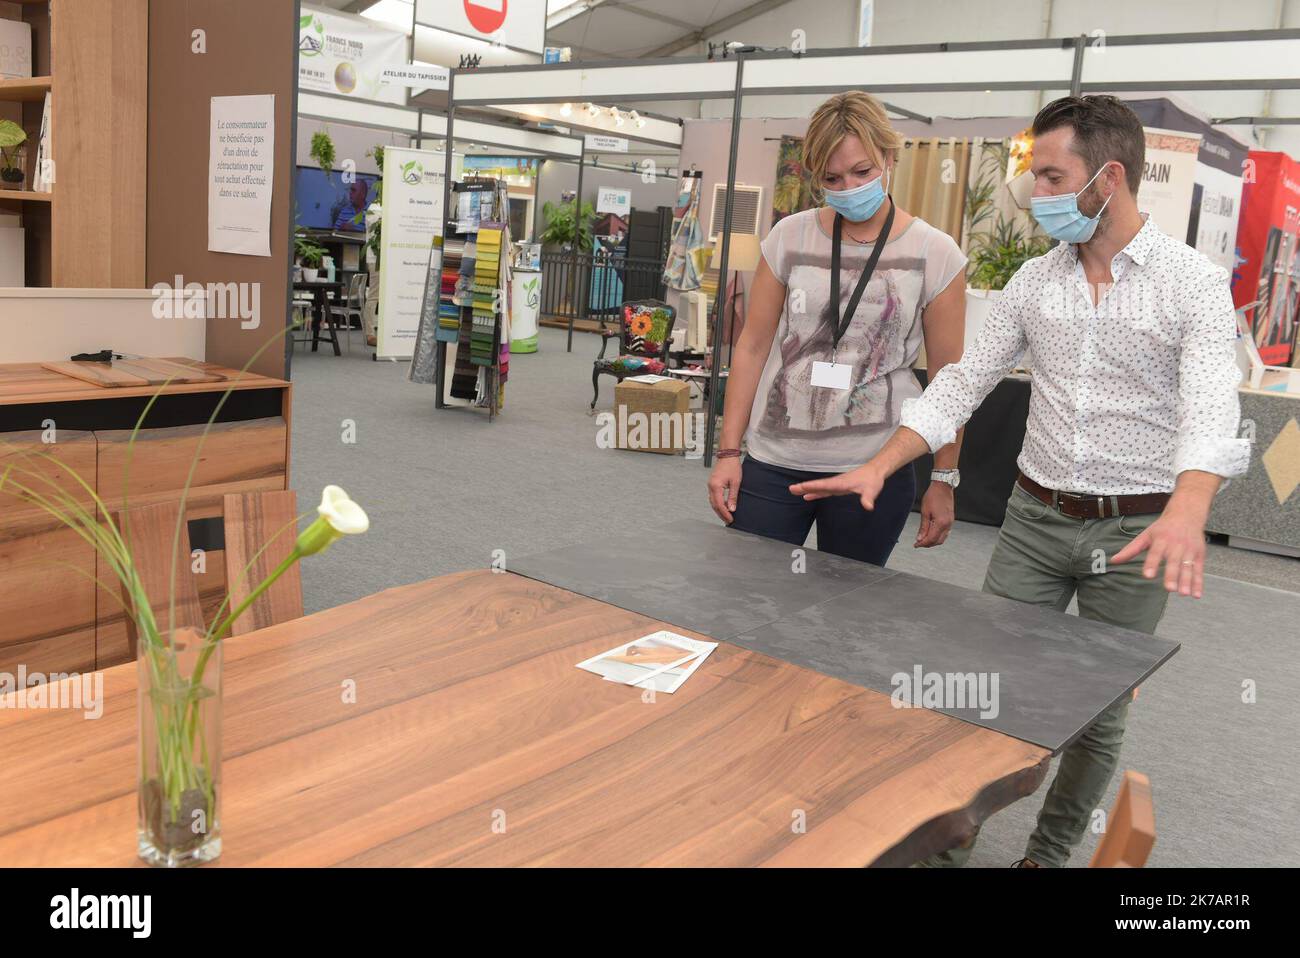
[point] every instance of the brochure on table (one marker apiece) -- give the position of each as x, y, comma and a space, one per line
660, 661
413, 192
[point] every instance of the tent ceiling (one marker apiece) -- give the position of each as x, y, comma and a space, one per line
637, 28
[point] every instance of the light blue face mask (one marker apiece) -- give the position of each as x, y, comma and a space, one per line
1060, 218
859, 203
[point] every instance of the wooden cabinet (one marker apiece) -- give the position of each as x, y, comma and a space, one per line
52, 615
47, 597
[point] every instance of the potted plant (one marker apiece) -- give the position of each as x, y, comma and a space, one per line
322, 151
12, 155
998, 245
309, 255
559, 229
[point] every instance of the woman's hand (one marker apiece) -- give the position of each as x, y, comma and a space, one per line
724, 487
936, 516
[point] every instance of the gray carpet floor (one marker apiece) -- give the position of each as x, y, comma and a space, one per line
446, 490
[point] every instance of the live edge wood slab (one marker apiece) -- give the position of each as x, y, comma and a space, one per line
473, 740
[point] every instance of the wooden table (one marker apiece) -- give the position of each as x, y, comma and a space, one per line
474, 740
319, 288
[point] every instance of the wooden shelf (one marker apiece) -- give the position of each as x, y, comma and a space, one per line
21, 195
24, 89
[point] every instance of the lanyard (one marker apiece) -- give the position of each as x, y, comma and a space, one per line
841, 326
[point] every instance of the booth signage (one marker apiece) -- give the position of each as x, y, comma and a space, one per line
605, 144
347, 56
413, 194
613, 200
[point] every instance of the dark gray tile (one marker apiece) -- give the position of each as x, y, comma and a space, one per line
706, 578
1055, 673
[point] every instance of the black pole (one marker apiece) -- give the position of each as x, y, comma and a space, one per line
722, 264
1076, 71
577, 232
440, 349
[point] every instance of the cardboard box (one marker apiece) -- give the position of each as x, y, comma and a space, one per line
652, 416
15, 48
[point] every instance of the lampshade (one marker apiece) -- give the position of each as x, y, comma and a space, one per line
742, 255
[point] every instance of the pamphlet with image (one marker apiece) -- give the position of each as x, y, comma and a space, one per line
661, 661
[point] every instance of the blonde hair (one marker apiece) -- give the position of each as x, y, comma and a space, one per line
852, 113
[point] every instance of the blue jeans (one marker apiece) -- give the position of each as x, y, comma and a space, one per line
766, 507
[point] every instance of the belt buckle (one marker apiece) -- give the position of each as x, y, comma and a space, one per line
1080, 497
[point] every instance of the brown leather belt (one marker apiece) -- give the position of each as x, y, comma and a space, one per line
1094, 507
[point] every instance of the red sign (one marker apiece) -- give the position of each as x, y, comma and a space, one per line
1268, 253
486, 16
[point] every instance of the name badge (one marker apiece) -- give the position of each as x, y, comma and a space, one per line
831, 375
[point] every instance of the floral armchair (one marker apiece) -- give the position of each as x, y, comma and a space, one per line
643, 334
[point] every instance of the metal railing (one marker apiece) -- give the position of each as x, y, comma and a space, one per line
604, 284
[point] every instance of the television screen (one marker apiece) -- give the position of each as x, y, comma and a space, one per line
332, 204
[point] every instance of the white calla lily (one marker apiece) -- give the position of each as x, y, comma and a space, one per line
344, 516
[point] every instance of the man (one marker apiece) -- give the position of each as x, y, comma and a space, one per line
1132, 423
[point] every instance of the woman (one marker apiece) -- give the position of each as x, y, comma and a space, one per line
819, 388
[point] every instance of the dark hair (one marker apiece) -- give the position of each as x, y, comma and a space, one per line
1105, 130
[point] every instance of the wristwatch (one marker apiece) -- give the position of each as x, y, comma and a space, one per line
950, 476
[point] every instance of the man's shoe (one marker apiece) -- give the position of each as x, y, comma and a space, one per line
1025, 863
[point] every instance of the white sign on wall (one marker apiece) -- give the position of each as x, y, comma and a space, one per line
241, 168
514, 23
610, 199
413, 187
347, 55
1218, 199
605, 144
1168, 177
421, 76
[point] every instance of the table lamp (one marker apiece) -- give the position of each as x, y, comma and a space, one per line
742, 257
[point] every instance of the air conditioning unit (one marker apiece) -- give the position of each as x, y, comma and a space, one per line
747, 202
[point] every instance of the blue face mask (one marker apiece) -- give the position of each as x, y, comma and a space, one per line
859, 203
1060, 218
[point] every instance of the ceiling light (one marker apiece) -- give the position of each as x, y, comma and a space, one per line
591, 108
637, 119
566, 109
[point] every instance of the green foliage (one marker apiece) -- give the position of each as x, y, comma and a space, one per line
12, 136
308, 252
559, 225
996, 255
322, 151
998, 245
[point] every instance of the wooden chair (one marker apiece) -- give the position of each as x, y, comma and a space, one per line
1130, 828
149, 532
645, 334
265, 523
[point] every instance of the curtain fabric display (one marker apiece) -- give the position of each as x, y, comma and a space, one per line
690, 250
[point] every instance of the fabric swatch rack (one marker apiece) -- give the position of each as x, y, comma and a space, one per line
474, 294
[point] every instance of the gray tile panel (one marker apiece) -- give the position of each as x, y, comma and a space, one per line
1023, 670
702, 577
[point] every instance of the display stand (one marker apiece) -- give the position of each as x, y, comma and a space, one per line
472, 309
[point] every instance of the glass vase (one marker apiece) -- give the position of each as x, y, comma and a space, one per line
13, 169
180, 749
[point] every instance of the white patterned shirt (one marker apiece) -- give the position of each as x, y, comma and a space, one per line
1125, 395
